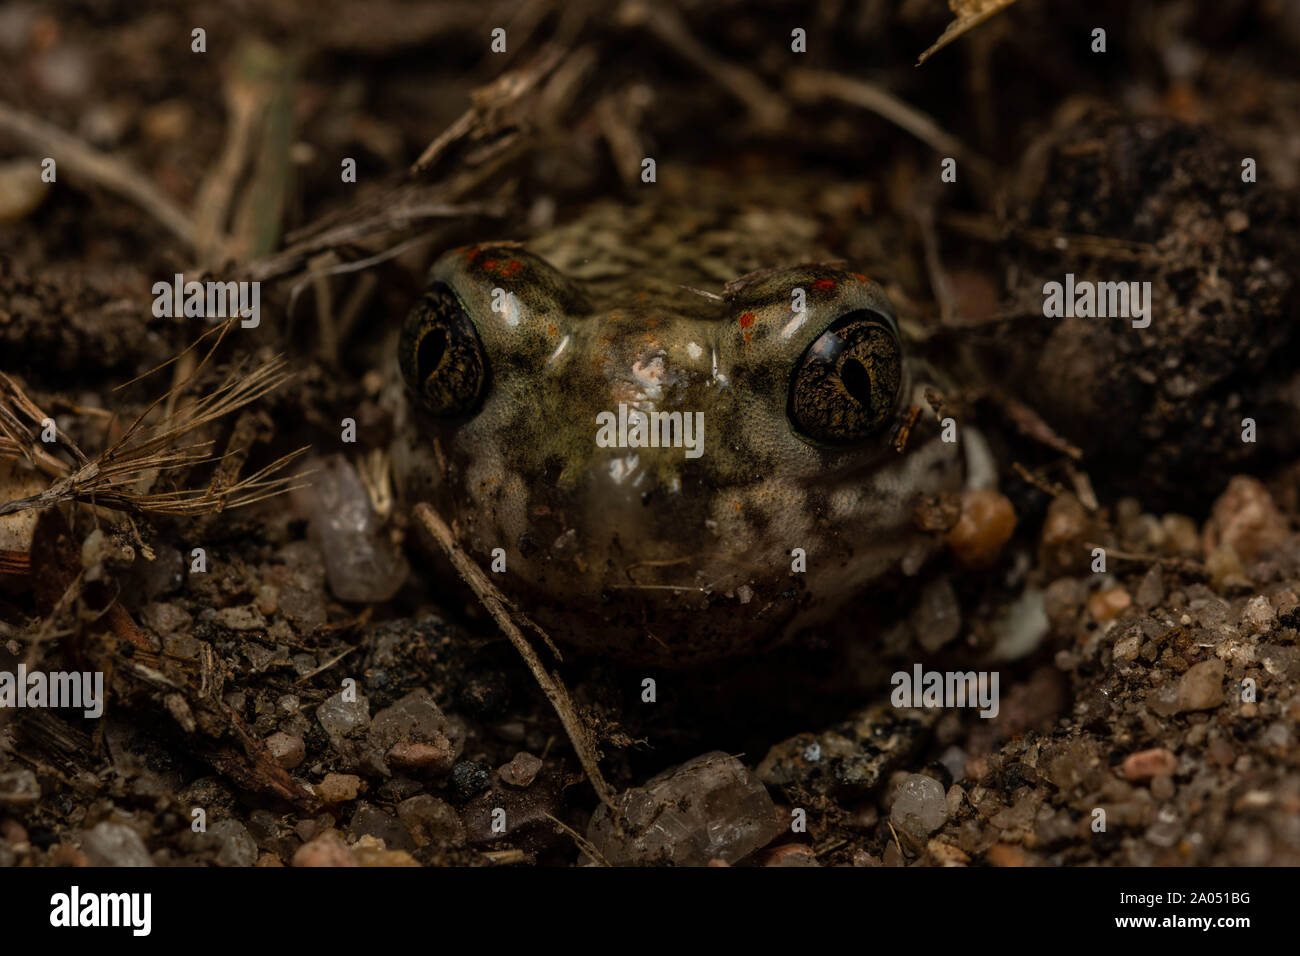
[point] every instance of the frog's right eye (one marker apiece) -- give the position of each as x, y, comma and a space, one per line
441, 356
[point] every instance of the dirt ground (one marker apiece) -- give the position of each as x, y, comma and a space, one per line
304, 692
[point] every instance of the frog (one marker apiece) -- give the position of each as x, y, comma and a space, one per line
681, 430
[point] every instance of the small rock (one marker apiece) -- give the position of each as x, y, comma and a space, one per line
790, 854
1127, 647
361, 562
373, 854
1019, 816
338, 787
1201, 688
236, 846
1004, 854
1152, 589
416, 719
708, 808
1067, 527
470, 777
851, 757
19, 788
1258, 614
268, 599
15, 835
986, 524
288, 750
1021, 626
920, 806
342, 718
937, 618
520, 771
1226, 569
328, 849
433, 759
115, 844
166, 619
369, 820
1180, 537
430, 820
149, 580
1104, 605
21, 189
1162, 787
1246, 519
1146, 764
245, 617
945, 854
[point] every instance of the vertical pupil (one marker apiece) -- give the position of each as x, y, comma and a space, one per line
856, 380
430, 352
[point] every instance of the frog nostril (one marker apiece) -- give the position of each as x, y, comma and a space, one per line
430, 352
857, 380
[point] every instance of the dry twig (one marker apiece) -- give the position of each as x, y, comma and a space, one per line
496, 604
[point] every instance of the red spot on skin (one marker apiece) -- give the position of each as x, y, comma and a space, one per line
860, 277
471, 253
490, 265
821, 285
748, 336
511, 267
746, 321
552, 331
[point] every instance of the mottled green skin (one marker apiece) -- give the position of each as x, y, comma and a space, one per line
645, 553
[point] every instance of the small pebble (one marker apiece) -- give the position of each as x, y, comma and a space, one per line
328, 849
115, 844
520, 771
430, 820
920, 805
288, 750
1258, 614
1246, 519
1146, 764
338, 787
1104, 605
433, 758
790, 854
710, 807
986, 524
236, 845
1201, 688
1066, 530
1152, 589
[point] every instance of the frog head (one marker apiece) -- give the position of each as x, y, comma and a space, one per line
672, 474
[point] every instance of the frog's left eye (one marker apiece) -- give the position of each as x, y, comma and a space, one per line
846, 385
441, 356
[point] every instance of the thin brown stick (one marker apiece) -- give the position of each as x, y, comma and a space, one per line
585, 845
495, 602
84, 161
768, 109
810, 85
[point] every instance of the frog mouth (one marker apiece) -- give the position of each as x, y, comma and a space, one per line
635, 571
